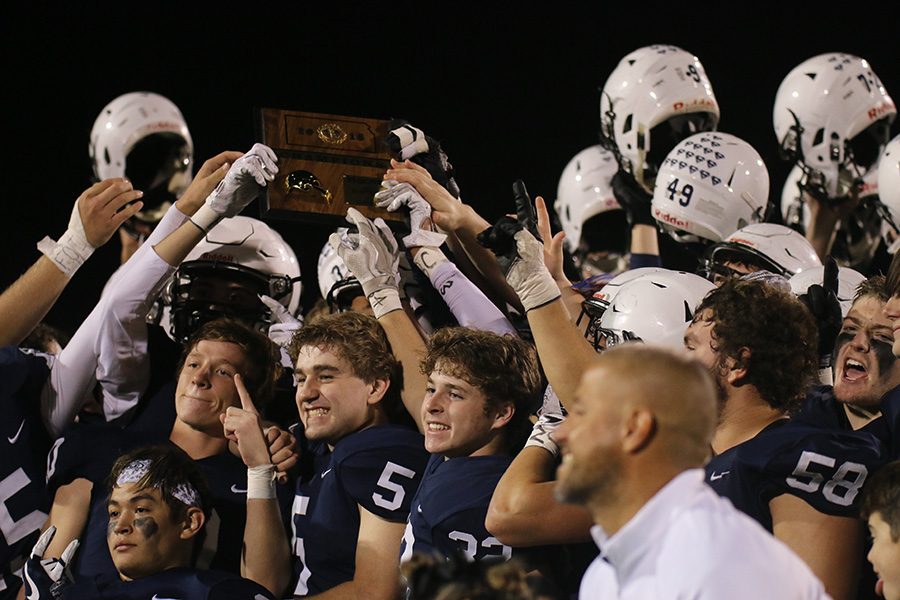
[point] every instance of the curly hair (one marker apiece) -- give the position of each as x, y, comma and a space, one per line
768, 332
456, 578
262, 357
361, 341
356, 338
503, 367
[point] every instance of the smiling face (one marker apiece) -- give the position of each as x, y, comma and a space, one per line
205, 386
865, 367
589, 439
457, 420
332, 400
142, 536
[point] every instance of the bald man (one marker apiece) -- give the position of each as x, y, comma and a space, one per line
633, 446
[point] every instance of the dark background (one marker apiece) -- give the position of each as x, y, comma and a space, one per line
510, 92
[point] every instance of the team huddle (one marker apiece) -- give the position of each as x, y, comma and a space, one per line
539, 407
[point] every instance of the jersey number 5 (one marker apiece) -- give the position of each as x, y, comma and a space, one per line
390, 470
843, 486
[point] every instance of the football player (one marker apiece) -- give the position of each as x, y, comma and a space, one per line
33, 419
358, 475
800, 482
79, 461
157, 508
865, 368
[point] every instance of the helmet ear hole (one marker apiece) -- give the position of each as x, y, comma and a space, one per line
626, 126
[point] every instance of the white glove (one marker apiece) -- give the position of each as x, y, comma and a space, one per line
412, 141
283, 326
245, 180
72, 249
46, 578
551, 415
528, 275
396, 195
374, 259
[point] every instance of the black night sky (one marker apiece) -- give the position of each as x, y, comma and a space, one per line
510, 92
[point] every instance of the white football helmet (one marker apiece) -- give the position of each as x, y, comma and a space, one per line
143, 136
238, 260
848, 281
657, 96
709, 186
584, 191
767, 246
832, 116
655, 308
889, 190
336, 282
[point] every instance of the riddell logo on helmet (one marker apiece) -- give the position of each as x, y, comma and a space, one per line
693, 105
670, 219
161, 126
214, 256
881, 110
743, 242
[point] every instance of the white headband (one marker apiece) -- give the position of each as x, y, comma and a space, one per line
135, 471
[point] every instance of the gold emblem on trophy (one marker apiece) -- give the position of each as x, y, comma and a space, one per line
331, 133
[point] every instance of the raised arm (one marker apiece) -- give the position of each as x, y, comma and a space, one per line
461, 221
97, 213
465, 300
373, 260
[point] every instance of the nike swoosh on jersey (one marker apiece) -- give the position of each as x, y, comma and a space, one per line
15, 438
718, 476
326, 473
158, 597
235, 489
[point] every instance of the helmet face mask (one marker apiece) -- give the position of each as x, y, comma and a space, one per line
656, 96
831, 115
239, 260
202, 291
765, 246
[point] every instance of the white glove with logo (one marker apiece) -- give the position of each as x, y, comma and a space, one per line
396, 195
245, 180
528, 275
283, 326
374, 259
551, 415
47, 578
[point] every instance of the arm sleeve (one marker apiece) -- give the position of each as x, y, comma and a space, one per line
468, 303
636, 261
110, 346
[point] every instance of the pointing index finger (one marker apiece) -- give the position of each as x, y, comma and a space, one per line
246, 400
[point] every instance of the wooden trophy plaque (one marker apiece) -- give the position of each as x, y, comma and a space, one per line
326, 164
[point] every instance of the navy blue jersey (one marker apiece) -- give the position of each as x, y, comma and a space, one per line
821, 409
825, 468
89, 452
890, 414
447, 513
24, 501
379, 469
184, 584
